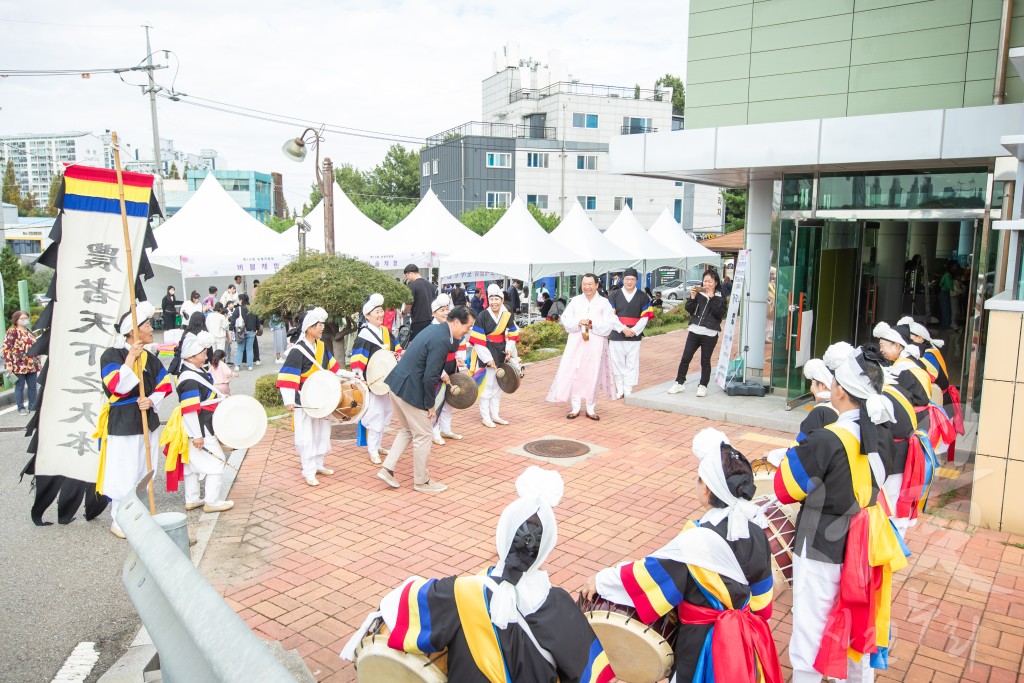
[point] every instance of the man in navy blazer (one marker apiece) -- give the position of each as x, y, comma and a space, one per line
414, 383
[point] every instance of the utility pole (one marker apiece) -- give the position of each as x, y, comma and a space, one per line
158, 170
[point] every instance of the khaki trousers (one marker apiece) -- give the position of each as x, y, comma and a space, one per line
415, 426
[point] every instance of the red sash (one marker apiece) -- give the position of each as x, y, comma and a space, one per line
958, 411
913, 479
738, 636
940, 427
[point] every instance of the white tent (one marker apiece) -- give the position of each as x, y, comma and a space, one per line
628, 234
578, 233
516, 247
212, 236
355, 234
431, 230
667, 231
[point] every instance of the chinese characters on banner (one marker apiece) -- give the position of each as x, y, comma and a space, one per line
92, 294
725, 352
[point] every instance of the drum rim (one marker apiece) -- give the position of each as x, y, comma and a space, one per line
239, 400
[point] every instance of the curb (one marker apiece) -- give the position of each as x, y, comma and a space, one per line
141, 657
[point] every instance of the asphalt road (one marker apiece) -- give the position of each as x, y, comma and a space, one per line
62, 583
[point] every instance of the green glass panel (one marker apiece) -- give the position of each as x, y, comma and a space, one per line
719, 92
799, 33
796, 59
719, 45
783, 288
797, 109
785, 11
913, 45
981, 65
920, 98
984, 36
797, 191
979, 93
807, 84
710, 117
719, 69
911, 17
697, 6
719, 21
908, 73
903, 190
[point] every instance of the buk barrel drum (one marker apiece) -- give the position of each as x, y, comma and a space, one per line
377, 370
377, 663
638, 653
509, 376
239, 422
764, 477
352, 403
320, 393
781, 533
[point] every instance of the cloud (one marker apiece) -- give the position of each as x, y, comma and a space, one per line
406, 67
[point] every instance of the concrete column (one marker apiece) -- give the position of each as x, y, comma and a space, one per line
759, 241
947, 240
966, 242
890, 257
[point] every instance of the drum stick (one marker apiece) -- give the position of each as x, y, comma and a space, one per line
223, 460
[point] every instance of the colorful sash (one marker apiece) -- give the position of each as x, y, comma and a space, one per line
481, 634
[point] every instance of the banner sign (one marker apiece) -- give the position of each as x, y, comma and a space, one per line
226, 265
91, 294
725, 351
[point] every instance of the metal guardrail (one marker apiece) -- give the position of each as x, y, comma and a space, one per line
637, 130
493, 129
198, 637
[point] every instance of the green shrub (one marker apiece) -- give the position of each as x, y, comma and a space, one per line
667, 320
541, 335
266, 391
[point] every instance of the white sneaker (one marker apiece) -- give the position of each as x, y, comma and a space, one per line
452, 435
676, 388
259, 362
387, 478
702, 391
238, 368
219, 507
375, 458
439, 441
627, 392
194, 506
312, 481
487, 423
498, 420
279, 361
324, 470
116, 530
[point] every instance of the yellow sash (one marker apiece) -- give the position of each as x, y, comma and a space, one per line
480, 633
176, 440
898, 396
503, 321
102, 427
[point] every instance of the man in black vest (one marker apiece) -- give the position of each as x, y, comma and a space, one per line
633, 309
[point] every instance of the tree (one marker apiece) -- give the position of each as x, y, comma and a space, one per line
12, 191
314, 198
353, 182
678, 92
735, 208
386, 214
279, 224
339, 284
173, 173
12, 270
481, 219
397, 176
51, 206
28, 204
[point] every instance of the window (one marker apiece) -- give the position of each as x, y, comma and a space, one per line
496, 200
499, 160
587, 202
436, 164
619, 201
426, 168
586, 162
33, 246
537, 159
677, 210
580, 120
538, 200
632, 125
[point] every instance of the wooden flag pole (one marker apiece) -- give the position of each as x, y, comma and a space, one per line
139, 368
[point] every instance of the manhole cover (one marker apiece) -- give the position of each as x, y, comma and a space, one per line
344, 431
556, 448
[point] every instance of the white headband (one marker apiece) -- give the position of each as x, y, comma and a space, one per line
143, 312
494, 290
441, 301
884, 331
707, 446
194, 344
317, 315
816, 369
920, 330
375, 301
539, 491
852, 379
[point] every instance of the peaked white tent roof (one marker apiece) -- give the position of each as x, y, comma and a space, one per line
578, 233
667, 231
431, 228
628, 234
516, 247
354, 232
212, 232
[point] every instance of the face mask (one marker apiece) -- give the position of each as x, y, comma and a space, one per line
23, 322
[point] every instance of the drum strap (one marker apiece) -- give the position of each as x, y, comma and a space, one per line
302, 349
196, 377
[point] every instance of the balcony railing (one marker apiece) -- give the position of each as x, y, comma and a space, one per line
592, 90
493, 130
636, 130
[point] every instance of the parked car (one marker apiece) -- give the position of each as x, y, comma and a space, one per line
680, 291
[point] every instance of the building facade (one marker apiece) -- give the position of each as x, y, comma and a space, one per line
546, 140
39, 157
877, 143
252, 190
206, 159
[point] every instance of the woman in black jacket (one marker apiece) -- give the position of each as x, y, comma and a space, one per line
707, 307
169, 307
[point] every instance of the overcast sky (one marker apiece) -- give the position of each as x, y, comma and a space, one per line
405, 67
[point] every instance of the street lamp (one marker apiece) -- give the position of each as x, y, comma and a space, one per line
295, 149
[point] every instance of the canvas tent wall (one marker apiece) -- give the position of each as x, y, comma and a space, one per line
431, 231
578, 233
668, 232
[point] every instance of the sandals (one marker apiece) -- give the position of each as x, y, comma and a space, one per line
572, 416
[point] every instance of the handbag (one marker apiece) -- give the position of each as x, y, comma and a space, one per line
259, 330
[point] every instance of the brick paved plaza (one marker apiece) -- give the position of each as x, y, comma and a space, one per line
304, 565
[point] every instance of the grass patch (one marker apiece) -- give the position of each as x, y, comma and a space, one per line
671, 327
945, 498
541, 354
1014, 545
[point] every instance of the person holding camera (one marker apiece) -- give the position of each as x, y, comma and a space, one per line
707, 307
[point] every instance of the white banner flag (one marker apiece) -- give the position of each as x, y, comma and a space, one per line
91, 295
725, 352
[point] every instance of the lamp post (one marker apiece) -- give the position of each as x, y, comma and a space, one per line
295, 149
